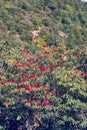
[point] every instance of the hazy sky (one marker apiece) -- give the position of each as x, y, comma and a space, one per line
84, 0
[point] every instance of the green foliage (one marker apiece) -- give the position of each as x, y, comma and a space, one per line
66, 21
46, 21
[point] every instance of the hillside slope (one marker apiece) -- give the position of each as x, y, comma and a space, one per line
43, 65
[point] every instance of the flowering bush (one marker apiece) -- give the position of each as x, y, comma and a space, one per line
42, 89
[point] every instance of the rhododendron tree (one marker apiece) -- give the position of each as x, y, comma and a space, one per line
49, 92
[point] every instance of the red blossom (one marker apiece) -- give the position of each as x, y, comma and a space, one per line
14, 81
25, 51
36, 85
46, 104
26, 76
52, 67
44, 45
46, 52
30, 60
19, 75
37, 122
29, 101
48, 92
28, 88
32, 76
21, 81
46, 99
63, 58
83, 73
36, 43
67, 48
19, 65
28, 51
2, 82
55, 50
42, 68
53, 94
34, 38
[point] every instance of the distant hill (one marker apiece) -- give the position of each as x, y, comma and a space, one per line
20, 17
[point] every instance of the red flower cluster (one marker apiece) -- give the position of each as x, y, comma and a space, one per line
63, 58
46, 104
25, 51
19, 75
36, 43
67, 48
14, 81
36, 85
19, 65
29, 101
48, 92
46, 99
30, 60
6, 82
46, 52
26, 76
37, 122
53, 94
2, 83
52, 67
32, 76
44, 45
21, 81
84, 73
28, 88
55, 50
29, 76
42, 68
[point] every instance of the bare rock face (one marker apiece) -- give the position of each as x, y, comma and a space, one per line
62, 34
35, 33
